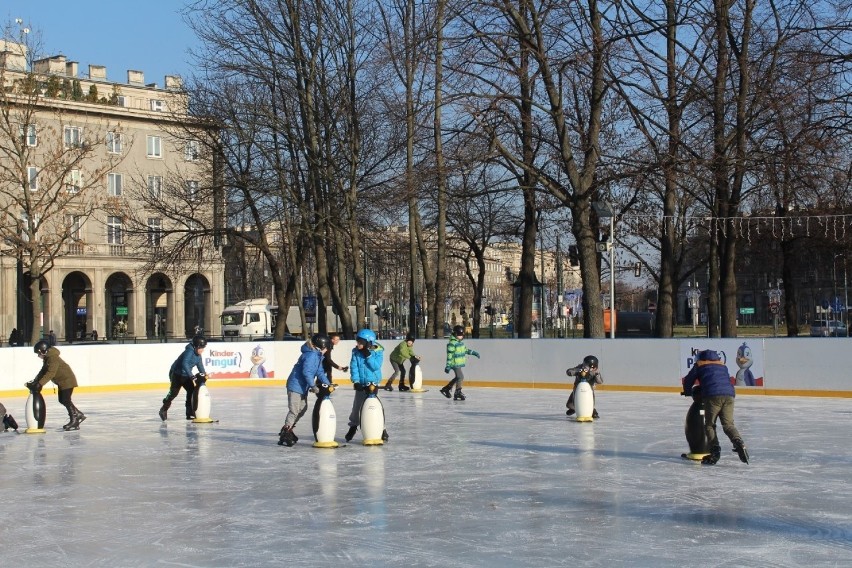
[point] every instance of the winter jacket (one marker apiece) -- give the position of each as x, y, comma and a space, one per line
594, 377
307, 371
457, 353
402, 353
188, 359
56, 370
711, 376
366, 366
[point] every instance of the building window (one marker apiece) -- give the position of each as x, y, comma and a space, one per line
155, 231
120, 100
73, 136
75, 227
115, 184
155, 147
155, 186
115, 233
74, 181
32, 178
194, 240
28, 134
191, 189
113, 142
25, 226
191, 150
157, 105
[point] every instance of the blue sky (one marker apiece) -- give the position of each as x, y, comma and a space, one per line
148, 36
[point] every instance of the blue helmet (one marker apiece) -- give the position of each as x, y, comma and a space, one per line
367, 335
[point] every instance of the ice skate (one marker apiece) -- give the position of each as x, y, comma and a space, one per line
164, 410
351, 433
9, 422
385, 436
389, 387
739, 447
459, 395
713, 456
446, 391
403, 387
286, 437
569, 412
595, 414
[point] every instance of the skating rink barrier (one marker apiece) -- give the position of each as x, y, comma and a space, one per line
784, 366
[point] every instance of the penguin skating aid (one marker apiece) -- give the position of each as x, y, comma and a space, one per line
201, 401
584, 401
694, 428
372, 418
36, 411
417, 379
324, 418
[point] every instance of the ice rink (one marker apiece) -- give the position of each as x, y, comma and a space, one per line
502, 479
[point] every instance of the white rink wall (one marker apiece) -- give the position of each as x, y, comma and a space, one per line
789, 365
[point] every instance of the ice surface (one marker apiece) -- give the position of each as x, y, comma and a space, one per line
503, 479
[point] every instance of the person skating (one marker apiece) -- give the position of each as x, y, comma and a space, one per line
718, 394
327, 363
399, 356
587, 370
54, 369
457, 354
365, 370
306, 373
8, 420
181, 376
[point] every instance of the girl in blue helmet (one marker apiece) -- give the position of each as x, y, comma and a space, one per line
365, 369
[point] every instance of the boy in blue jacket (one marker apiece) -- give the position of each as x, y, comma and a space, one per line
180, 376
365, 369
711, 375
307, 371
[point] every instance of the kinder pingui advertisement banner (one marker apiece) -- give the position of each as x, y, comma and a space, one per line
239, 361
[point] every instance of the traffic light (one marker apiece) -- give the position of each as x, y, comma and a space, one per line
637, 269
378, 311
463, 311
489, 310
573, 255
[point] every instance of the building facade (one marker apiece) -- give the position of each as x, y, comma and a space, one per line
103, 178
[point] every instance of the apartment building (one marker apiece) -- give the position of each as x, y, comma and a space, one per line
99, 179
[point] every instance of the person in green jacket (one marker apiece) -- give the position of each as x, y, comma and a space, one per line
403, 352
55, 369
456, 358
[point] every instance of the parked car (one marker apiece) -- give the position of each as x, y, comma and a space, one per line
828, 328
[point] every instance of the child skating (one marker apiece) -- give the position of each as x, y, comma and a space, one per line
55, 369
306, 373
365, 370
457, 354
403, 353
588, 371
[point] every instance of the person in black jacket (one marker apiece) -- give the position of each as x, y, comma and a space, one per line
327, 363
717, 391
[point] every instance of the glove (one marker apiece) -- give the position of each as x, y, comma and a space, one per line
475, 354
446, 369
345, 369
33, 386
314, 390
358, 386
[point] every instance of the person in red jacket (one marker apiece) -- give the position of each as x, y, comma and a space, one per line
717, 390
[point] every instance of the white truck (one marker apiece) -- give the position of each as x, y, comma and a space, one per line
249, 318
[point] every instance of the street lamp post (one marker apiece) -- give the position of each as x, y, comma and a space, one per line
604, 210
693, 297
